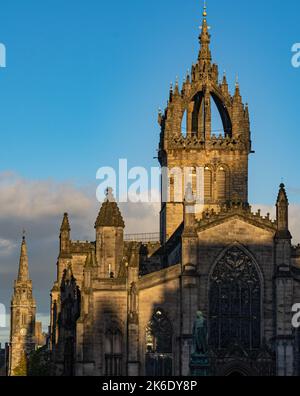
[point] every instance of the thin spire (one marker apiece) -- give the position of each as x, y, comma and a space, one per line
65, 226
282, 195
176, 92
282, 214
23, 274
237, 94
224, 81
205, 54
237, 84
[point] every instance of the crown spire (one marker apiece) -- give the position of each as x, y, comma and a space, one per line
205, 54
23, 274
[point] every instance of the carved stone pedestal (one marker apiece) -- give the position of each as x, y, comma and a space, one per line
200, 366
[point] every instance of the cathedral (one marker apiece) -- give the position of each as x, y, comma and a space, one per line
127, 308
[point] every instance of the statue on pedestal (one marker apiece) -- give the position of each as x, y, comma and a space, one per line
200, 334
200, 364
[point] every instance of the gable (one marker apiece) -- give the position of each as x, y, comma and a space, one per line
236, 229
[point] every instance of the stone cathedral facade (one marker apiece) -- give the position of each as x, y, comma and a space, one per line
128, 308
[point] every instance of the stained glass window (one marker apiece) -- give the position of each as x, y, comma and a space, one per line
235, 302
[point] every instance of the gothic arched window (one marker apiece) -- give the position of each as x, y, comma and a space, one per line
113, 352
221, 184
207, 183
235, 302
159, 340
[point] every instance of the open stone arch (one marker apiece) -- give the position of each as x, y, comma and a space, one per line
224, 114
235, 293
197, 111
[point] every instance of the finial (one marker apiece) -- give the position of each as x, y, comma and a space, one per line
237, 81
204, 39
204, 10
109, 194
24, 234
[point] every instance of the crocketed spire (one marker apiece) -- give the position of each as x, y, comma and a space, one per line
282, 214
23, 275
282, 195
109, 215
204, 38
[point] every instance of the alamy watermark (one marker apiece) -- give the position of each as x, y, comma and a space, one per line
296, 55
2, 55
296, 316
2, 316
138, 185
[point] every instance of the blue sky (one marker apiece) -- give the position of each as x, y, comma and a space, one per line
82, 88
85, 79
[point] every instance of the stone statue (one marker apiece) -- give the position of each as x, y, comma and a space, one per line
200, 342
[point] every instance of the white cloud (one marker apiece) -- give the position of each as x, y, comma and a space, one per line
39, 203
29, 199
6, 247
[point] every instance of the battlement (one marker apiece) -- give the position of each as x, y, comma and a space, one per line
82, 246
215, 143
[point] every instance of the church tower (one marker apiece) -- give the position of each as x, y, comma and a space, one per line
109, 228
215, 163
23, 309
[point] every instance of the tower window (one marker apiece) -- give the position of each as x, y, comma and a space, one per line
207, 183
184, 126
221, 184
